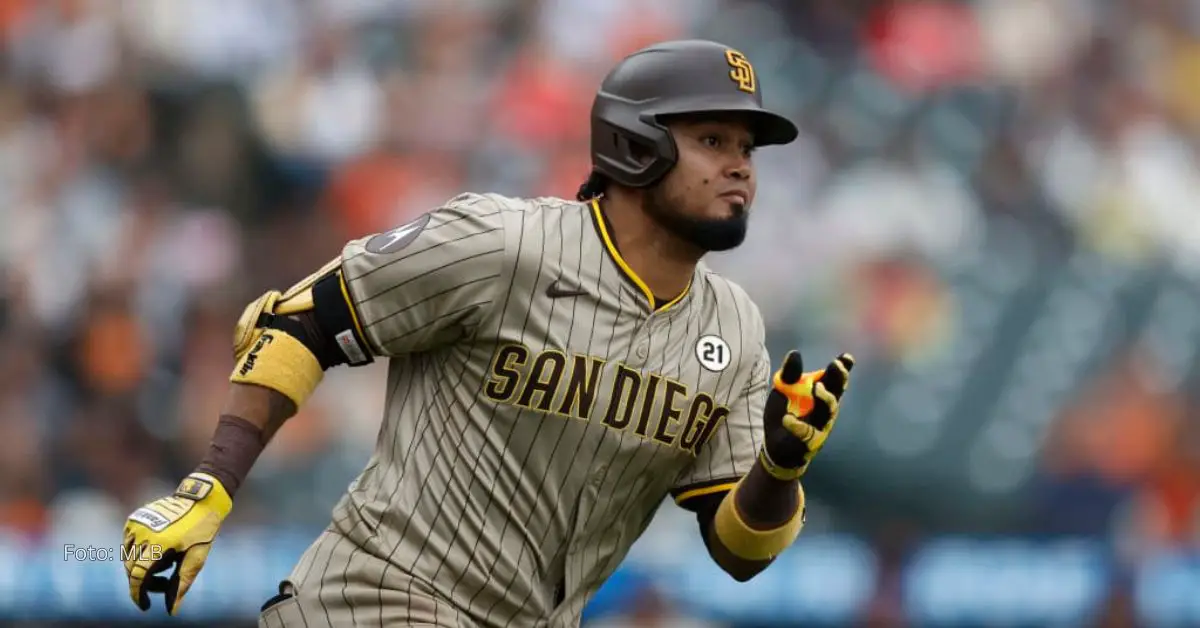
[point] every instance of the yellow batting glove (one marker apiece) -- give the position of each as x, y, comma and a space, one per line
175, 531
801, 411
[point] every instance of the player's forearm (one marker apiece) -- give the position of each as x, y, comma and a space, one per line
251, 416
754, 523
264, 409
765, 502
281, 358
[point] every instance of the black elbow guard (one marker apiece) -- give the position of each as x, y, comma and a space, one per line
286, 341
329, 329
317, 312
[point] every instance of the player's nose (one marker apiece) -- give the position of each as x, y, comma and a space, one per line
739, 167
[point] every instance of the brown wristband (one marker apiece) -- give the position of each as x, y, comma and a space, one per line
235, 446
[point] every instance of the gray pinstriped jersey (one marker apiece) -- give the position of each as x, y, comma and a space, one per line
538, 412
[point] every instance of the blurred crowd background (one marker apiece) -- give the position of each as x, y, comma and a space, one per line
992, 203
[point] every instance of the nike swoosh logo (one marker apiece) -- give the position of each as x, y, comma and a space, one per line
557, 290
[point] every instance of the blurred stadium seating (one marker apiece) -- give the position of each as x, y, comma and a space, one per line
993, 204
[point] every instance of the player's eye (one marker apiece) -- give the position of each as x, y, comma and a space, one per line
711, 141
748, 149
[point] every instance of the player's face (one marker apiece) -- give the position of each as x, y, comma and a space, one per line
706, 197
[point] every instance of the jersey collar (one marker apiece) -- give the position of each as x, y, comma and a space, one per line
604, 230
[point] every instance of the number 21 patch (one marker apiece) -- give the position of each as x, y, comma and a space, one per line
713, 353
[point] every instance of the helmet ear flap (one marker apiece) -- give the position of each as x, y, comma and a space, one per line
629, 148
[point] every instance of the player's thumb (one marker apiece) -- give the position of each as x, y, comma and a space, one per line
188, 569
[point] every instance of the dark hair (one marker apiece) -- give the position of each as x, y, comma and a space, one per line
594, 187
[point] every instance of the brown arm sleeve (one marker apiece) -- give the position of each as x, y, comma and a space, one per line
251, 416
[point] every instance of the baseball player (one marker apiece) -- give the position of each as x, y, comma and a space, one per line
556, 369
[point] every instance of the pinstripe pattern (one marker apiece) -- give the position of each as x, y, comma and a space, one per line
527, 439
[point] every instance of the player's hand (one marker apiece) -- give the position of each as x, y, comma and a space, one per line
175, 531
800, 413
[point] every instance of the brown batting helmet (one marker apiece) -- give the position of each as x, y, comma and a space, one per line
672, 78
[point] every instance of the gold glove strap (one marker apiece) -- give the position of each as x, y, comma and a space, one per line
206, 488
282, 363
247, 331
776, 471
750, 544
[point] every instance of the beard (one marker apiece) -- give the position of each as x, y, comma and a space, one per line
707, 234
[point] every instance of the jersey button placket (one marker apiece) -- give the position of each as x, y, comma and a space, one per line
635, 357
641, 338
